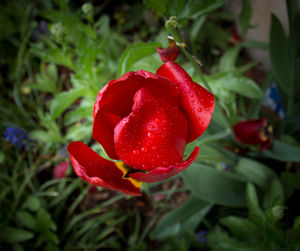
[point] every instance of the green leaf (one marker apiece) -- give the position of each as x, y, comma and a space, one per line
245, 16
291, 179
241, 228
228, 60
172, 222
12, 234
279, 55
240, 85
215, 186
79, 131
256, 213
219, 240
150, 63
255, 172
26, 219
195, 9
157, 5
274, 195
32, 203
63, 100
283, 151
134, 53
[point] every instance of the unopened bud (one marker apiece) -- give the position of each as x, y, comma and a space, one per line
171, 23
277, 212
87, 8
58, 30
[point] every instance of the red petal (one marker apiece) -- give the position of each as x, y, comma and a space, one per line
115, 101
60, 170
169, 54
265, 145
153, 135
197, 102
248, 131
98, 171
163, 173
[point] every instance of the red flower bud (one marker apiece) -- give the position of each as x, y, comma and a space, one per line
169, 54
59, 171
145, 120
254, 132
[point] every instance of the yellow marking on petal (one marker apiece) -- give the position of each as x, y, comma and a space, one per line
120, 165
265, 123
263, 136
270, 129
183, 45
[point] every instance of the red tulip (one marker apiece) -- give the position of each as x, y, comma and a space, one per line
145, 120
254, 132
169, 54
59, 171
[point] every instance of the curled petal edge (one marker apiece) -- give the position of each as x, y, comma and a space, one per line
163, 173
94, 169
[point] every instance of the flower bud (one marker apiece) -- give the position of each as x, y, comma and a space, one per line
87, 9
171, 23
58, 30
277, 212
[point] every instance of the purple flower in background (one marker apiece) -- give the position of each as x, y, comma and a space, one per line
42, 29
16, 136
201, 235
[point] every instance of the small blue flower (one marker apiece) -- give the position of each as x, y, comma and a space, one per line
201, 235
16, 136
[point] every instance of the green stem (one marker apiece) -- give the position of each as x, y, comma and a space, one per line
175, 33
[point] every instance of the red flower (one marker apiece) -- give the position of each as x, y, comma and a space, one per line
145, 120
169, 54
254, 132
59, 171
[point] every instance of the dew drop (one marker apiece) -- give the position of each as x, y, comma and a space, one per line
165, 163
192, 95
193, 111
154, 147
157, 120
199, 109
206, 109
158, 156
144, 166
211, 102
144, 149
136, 152
150, 135
152, 126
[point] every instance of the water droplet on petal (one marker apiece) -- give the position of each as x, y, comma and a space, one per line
144, 149
192, 95
136, 152
150, 135
193, 111
199, 109
158, 156
152, 126
206, 109
165, 163
154, 147
157, 120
